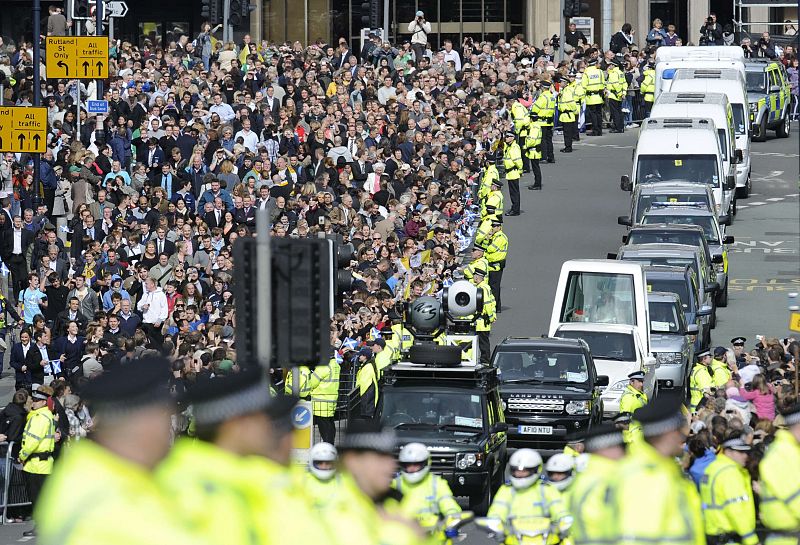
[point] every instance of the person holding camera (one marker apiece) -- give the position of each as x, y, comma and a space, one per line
419, 29
711, 31
766, 49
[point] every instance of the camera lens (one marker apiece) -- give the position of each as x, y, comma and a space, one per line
462, 299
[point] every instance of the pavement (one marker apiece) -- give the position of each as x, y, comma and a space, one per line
575, 216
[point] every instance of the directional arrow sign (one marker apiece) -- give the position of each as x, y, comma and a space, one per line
23, 130
82, 57
117, 8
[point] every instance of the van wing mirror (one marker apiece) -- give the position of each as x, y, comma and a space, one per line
625, 183
499, 427
713, 287
728, 239
611, 255
717, 258
725, 220
705, 310
730, 182
692, 329
624, 220
624, 239
774, 88
602, 380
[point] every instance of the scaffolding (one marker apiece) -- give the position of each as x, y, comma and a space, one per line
738, 13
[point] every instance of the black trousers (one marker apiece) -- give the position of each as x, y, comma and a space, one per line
19, 274
570, 133
49, 200
484, 347
154, 334
526, 164
594, 114
537, 173
419, 52
647, 107
547, 143
495, 277
513, 194
327, 428
617, 119
33, 485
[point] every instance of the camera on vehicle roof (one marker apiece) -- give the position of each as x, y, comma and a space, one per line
462, 299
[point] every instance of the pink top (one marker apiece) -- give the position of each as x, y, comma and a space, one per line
764, 403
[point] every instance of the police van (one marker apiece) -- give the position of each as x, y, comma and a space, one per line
770, 98
671, 59
732, 83
682, 149
714, 106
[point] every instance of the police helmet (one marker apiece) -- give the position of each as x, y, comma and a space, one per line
414, 454
322, 454
524, 460
559, 469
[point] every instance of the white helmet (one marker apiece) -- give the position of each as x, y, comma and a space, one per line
560, 463
414, 454
522, 460
322, 452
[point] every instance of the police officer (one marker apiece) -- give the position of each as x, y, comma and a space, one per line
648, 87
38, 445
728, 506
671, 512
560, 471
587, 495
493, 203
102, 490
324, 398
545, 108
779, 508
528, 504
633, 399
512, 162
490, 174
479, 261
533, 150
622, 422
568, 111
616, 87
426, 497
496, 253
720, 372
700, 381
483, 322
382, 354
594, 83
367, 383
322, 481
739, 351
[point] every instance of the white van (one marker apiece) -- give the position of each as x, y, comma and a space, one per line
714, 106
733, 84
681, 150
670, 59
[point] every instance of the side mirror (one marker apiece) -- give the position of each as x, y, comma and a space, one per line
650, 361
499, 427
611, 256
730, 182
692, 329
774, 88
739, 154
602, 380
705, 310
728, 239
716, 259
625, 183
712, 287
624, 239
624, 220
725, 220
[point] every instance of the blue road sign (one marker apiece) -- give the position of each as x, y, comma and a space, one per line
97, 106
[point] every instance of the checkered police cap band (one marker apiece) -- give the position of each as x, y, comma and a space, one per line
253, 399
666, 425
384, 442
604, 441
792, 418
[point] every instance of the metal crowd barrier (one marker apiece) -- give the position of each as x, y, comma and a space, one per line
14, 491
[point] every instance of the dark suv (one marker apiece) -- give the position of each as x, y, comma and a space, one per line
550, 390
457, 413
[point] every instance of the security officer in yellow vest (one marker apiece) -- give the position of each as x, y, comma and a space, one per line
779, 509
616, 87
533, 150
102, 489
545, 107
496, 253
479, 261
38, 444
324, 398
488, 315
427, 498
729, 508
568, 110
492, 205
648, 87
381, 353
367, 382
512, 162
490, 175
700, 380
594, 84
633, 399
720, 372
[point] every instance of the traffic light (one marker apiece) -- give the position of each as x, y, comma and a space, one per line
575, 8
80, 9
245, 298
365, 18
239, 11
210, 11
371, 14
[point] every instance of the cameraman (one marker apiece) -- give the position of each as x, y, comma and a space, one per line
711, 32
419, 29
749, 50
766, 49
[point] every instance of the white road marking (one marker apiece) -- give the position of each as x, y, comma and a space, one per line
775, 199
756, 203
774, 154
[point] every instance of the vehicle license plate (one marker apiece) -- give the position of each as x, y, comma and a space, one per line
536, 430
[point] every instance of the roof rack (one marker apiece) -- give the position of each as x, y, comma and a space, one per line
681, 204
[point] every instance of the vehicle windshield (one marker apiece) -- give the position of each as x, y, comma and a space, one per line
694, 168
756, 81
677, 286
664, 261
436, 409
610, 346
646, 202
739, 119
543, 365
600, 298
664, 318
706, 222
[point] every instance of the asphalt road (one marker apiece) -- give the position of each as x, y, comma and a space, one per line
575, 216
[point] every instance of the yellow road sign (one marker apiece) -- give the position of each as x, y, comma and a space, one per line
794, 321
23, 130
77, 57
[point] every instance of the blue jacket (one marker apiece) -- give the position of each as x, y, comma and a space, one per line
48, 175
699, 466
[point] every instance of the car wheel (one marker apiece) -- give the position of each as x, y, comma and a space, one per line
762, 130
482, 506
744, 192
784, 128
722, 300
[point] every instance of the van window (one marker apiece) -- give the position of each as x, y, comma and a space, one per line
774, 78
723, 143
647, 201
664, 318
739, 119
692, 168
706, 222
679, 287
600, 298
756, 82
